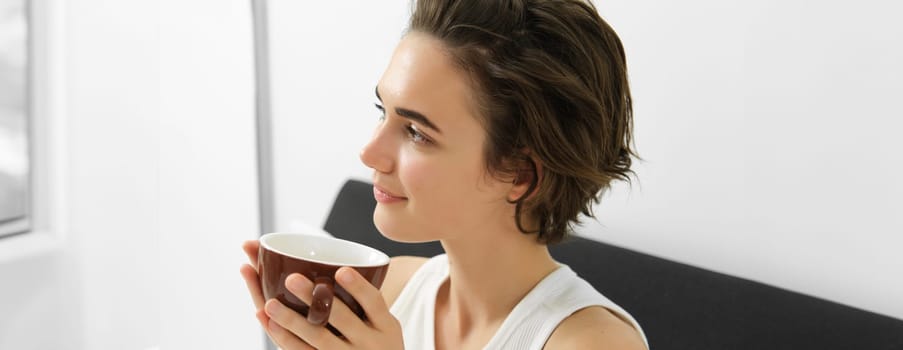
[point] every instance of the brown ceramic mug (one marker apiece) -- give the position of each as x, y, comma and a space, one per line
317, 258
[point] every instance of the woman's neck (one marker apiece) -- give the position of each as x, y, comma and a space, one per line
488, 276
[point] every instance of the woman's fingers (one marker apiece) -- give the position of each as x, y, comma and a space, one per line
367, 296
287, 319
264, 321
284, 339
287, 326
253, 283
279, 335
250, 248
341, 317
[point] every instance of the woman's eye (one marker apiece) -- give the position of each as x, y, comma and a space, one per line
382, 111
416, 135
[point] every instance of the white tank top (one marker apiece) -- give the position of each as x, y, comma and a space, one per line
529, 324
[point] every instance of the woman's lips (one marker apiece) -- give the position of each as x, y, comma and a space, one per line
385, 197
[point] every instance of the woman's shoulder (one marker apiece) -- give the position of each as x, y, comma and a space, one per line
401, 268
595, 327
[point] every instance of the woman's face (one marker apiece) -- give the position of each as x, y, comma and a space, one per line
429, 175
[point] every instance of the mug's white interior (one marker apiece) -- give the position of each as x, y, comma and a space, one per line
326, 250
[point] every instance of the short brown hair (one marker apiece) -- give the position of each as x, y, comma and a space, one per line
553, 81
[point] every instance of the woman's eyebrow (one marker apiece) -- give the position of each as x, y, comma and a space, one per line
412, 115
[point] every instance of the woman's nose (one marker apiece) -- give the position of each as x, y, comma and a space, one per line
377, 154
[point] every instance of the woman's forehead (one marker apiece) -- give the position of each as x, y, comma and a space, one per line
421, 68
421, 76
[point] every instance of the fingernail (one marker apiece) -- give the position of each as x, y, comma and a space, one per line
345, 275
273, 309
295, 282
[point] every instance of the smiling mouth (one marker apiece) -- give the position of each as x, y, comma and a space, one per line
386, 197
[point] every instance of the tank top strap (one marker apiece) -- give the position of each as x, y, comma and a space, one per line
415, 306
430, 275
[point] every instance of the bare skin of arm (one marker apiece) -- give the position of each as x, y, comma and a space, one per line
401, 268
595, 328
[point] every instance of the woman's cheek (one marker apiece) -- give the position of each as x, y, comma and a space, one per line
415, 175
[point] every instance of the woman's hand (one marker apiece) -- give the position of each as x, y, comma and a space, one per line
381, 331
249, 273
290, 330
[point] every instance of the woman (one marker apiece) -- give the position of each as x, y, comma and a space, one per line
501, 122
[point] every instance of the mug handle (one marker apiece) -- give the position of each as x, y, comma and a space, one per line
321, 304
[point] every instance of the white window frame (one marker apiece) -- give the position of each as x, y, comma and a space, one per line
46, 223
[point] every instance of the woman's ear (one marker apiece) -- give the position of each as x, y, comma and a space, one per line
526, 179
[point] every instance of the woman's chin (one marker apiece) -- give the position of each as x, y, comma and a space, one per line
392, 229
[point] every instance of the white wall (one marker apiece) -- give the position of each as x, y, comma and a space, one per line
327, 57
208, 192
112, 110
160, 184
766, 129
